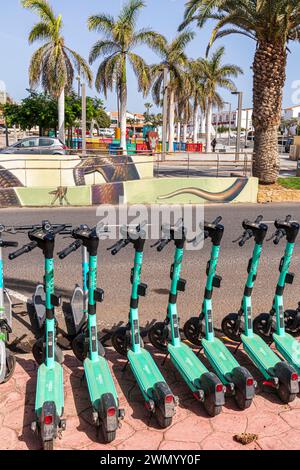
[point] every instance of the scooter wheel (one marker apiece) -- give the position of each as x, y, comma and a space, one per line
10, 365
192, 331
119, 341
79, 349
48, 445
39, 352
284, 394
261, 327
292, 322
229, 327
242, 402
210, 406
157, 336
107, 436
162, 421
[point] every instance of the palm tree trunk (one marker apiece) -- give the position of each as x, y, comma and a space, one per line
269, 71
123, 108
178, 131
171, 121
208, 127
61, 116
196, 123
185, 129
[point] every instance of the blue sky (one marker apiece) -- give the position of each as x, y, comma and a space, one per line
162, 15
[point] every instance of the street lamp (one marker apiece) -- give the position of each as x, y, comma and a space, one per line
229, 126
239, 123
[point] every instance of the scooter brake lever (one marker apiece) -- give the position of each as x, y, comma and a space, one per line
272, 236
155, 244
238, 239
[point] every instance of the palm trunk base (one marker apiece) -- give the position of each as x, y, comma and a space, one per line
266, 167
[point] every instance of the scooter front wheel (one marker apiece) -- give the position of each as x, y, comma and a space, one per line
292, 322
230, 327
79, 349
39, 352
10, 365
158, 337
262, 327
119, 341
192, 331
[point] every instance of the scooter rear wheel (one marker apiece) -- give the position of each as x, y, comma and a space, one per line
192, 330
10, 365
108, 436
158, 337
79, 349
229, 327
284, 394
242, 402
261, 326
162, 421
210, 406
48, 445
39, 352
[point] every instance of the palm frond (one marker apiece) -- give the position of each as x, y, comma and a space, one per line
80, 65
40, 31
103, 48
42, 8
101, 23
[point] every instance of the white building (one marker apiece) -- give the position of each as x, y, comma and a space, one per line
227, 119
293, 112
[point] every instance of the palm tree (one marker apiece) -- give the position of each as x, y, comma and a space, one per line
215, 76
53, 63
175, 60
197, 80
272, 24
119, 38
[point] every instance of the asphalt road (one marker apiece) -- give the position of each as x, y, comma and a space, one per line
114, 272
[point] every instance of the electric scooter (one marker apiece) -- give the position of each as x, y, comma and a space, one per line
102, 391
159, 399
200, 330
272, 325
239, 326
165, 336
7, 359
49, 402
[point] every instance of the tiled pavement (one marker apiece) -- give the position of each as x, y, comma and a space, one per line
277, 426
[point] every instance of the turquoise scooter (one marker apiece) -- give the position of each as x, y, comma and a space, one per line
106, 412
159, 399
49, 401
239, 327
165, 336
272, 326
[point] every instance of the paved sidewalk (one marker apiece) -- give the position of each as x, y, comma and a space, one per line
277, 426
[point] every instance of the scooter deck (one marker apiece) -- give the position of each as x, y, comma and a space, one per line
289, 348
50, 387
261, 354
220, 358
99, 380
188, 365
145, 370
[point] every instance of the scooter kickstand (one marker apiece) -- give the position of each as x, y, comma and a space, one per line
237, 348
125, 367
165, 358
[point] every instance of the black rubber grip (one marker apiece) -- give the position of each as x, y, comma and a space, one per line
6, 244
163, 244
245, 238
25, 249
118, 246
58, 228
278, 237
73, 247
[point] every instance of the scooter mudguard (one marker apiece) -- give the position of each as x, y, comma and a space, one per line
209, 382
7, 308
99, 380
49, 388
39, 304
284, 372
289, 348
78, 316
2, 361
108, 412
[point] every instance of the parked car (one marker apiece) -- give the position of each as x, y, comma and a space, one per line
37, 146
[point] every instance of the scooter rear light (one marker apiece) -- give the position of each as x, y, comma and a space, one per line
169, 399
48, 419
250, 382
294, 376
111, 412
219, 388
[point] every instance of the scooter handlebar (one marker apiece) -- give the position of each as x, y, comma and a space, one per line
7, 243
118, 246
25, 249
67, 251
245, 238
278, 236
162, 244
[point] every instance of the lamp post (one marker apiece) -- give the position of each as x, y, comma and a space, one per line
83, 122
239, 123
229, 124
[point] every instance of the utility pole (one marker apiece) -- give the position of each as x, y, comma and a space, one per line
83, 118
247, 125
165, 115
